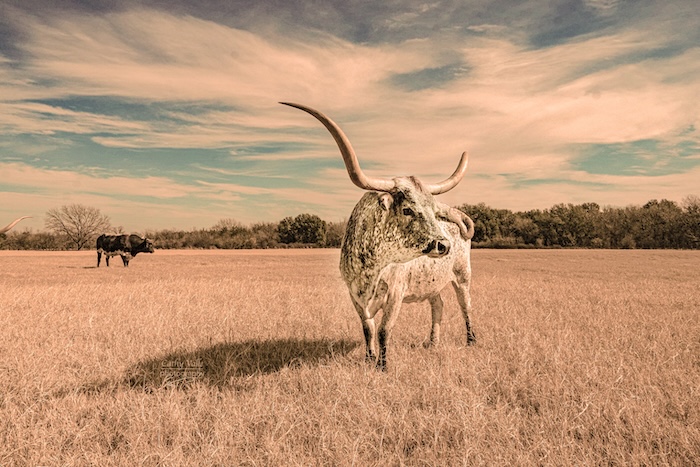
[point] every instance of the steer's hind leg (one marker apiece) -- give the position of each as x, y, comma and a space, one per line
465, 303
99, 256
436, 306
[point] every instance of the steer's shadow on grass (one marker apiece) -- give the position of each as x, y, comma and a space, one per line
231, 364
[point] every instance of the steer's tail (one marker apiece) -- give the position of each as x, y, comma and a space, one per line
454, 215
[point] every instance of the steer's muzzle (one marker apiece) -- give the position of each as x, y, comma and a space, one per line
437, 248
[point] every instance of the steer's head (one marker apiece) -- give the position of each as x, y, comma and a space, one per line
408, 221
148, 246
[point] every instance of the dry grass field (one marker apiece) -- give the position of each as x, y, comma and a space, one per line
584, 357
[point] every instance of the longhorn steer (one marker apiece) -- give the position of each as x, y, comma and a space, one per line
126, 246
12, 224
401, 245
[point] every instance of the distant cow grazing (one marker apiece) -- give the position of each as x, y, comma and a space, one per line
401, 245
126, 246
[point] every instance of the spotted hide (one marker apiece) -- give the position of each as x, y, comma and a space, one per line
401, 245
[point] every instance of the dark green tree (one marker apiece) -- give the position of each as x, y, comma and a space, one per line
286, 230
334, 233
304, 228
690, 223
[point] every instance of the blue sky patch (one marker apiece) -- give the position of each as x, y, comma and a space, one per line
519, 181
131, 109
429, 78
647, 157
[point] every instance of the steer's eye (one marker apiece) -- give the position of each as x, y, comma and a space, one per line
407, 211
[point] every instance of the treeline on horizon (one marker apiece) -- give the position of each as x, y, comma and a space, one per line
656, 224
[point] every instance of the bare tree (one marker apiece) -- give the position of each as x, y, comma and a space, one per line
79, 223
691, 203
229, 225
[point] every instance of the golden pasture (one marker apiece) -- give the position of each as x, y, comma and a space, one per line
584, 357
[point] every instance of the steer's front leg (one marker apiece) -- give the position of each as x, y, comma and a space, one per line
369, 330
391, 313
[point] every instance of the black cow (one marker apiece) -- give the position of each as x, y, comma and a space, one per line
126, 246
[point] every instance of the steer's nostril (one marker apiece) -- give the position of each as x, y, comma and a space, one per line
436, 248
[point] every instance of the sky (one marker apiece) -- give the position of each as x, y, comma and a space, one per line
165, 114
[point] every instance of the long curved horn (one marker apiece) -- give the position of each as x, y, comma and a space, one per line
356, 175
12, 224
453, 180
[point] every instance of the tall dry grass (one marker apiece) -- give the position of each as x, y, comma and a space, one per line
583, 358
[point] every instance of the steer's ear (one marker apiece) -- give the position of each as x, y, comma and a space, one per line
385, 200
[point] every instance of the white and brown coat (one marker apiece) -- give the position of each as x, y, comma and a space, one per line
401, 245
